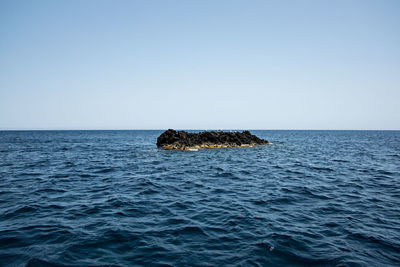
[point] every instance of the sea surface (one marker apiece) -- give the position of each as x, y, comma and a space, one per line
89, 198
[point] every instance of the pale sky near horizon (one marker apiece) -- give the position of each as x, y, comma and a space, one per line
200, 64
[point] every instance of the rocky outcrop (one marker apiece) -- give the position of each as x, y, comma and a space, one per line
182, 140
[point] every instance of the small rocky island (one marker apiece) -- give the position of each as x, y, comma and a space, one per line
182, 140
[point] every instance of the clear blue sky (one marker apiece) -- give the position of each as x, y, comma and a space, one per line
200, 64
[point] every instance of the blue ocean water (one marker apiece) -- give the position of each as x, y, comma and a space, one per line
314, 198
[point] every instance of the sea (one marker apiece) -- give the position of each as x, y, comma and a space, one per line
112, 198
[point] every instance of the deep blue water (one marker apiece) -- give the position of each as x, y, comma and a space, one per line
315, 198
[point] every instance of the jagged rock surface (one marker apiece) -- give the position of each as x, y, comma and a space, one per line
182, 140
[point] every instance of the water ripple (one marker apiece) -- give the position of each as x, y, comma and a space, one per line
111, 198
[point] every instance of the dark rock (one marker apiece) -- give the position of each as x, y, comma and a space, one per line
182, 140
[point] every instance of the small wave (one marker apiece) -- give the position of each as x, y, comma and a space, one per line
148, 192
116, 203
42, 263
385, 172
86, 175
340, 160
224, 174
50, 191
294, 171
245, 172
220, 191
290, 257
21, 211
174, 221
190, 230
105, 170
61, 175
217, 168
281, 200
322, 168
10, 241
24, 174
316, 195
53, 206
93, 210
259, 202
375, 240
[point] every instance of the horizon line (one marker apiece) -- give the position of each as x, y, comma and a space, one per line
193, 129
